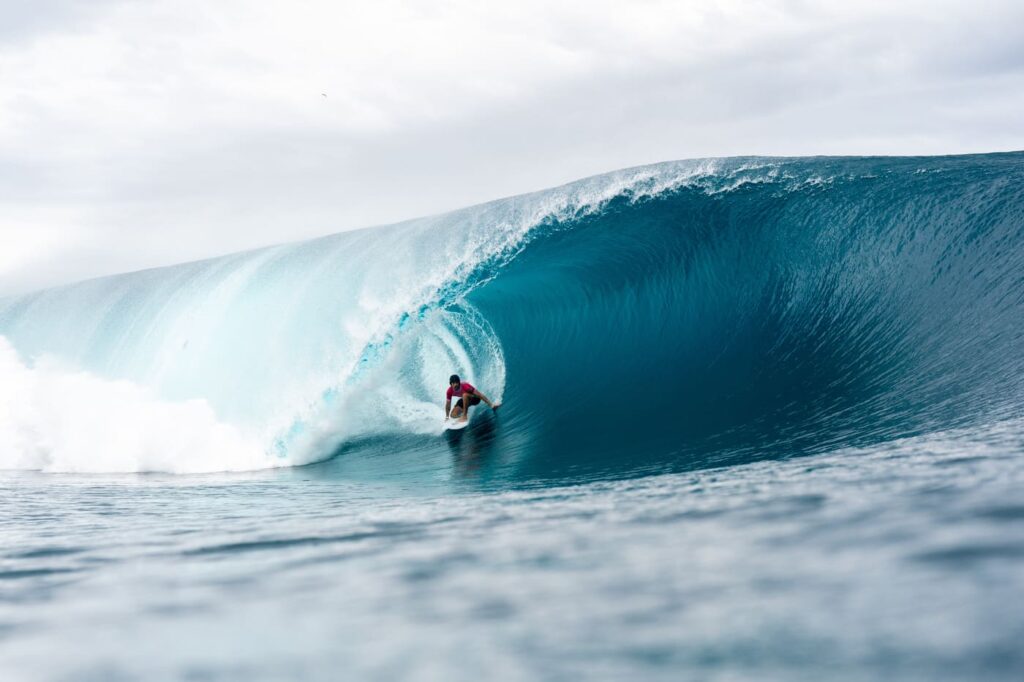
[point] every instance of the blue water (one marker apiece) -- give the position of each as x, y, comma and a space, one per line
762, 419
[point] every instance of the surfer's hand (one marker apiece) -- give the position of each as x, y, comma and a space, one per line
495, 406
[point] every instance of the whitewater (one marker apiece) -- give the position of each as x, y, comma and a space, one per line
761, 419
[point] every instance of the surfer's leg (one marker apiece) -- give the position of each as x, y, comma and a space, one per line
470, 403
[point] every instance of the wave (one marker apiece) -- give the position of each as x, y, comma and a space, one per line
673, 316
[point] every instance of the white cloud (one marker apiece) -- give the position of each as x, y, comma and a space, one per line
137, 134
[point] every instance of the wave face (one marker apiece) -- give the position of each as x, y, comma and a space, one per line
662, 318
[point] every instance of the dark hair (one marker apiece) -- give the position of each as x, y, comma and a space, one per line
454, 379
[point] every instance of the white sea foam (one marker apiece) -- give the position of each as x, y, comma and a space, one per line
62, 420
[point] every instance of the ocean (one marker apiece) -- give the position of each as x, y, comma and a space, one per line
761, 419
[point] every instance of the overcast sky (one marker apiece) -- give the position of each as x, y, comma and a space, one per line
136, 133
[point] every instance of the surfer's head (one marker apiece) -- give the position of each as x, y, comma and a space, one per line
454, 380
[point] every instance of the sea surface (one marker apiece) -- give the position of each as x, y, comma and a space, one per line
761, 419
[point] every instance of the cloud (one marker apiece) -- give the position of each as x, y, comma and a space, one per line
25, 21
139, 134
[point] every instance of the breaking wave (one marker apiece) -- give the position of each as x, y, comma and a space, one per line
674, 316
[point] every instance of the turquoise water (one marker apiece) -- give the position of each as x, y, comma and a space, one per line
761, 420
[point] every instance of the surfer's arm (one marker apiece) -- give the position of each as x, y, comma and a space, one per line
447, 408
485, 399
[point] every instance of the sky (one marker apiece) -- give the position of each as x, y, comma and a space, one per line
139, 133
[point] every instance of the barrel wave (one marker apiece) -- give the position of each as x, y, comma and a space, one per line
664, 318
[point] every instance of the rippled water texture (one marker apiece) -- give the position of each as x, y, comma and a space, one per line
902, 562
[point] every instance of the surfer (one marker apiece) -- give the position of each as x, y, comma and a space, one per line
467, 397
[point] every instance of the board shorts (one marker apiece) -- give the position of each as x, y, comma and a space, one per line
473, 400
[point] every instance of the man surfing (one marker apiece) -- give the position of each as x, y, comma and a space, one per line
467, 397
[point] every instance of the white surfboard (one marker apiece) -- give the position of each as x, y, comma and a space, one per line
455, 424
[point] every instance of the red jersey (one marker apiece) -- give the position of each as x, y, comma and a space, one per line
466, 386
